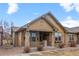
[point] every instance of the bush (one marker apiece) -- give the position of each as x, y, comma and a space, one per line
73, 44
27, 49
62, 45
40, 48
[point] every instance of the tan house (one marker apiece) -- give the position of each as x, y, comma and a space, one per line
45, 31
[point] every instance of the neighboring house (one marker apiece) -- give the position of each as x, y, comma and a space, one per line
48, 31
13, 30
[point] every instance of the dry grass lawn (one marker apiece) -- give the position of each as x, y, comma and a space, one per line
61, 53
18, 51
70, 52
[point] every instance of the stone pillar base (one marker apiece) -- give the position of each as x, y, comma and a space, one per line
45, 43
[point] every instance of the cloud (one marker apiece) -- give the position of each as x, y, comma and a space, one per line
67, 6
70, 22
13, 7
70, 6
76, 7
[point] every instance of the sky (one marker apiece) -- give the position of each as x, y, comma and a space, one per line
21, 13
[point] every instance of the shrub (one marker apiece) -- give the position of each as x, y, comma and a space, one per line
27, 49
62, 45
40, 48
73, 44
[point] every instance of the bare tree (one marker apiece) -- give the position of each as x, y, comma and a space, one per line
1, 28
7, 30
11, 32
1, 22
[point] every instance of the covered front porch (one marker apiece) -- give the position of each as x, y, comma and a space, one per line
41, 38
44, 38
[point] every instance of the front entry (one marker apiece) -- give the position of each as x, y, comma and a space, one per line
45, 36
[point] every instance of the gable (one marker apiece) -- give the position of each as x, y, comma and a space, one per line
40, 25
51, 19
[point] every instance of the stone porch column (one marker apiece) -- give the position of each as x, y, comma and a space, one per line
66, 40
37, 39
27, 39
45, 43
19, 43
53, 39
75, 38
62, 38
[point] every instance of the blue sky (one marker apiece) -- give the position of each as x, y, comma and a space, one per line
22, 13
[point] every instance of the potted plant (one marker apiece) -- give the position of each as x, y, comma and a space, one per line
27, 49
62, 45
73, 44
40, 48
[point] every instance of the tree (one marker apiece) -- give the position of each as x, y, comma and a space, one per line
12, 25
1, 22
7, 30
1, 27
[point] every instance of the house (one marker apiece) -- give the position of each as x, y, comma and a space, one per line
46, 31
13, 30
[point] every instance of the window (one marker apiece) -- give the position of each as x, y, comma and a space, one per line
32, 39
57, 37
71, 38
33, 36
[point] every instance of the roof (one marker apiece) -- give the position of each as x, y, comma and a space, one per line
54, 18
22, 28
43, 16
66, 29
73, 30
15, 28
